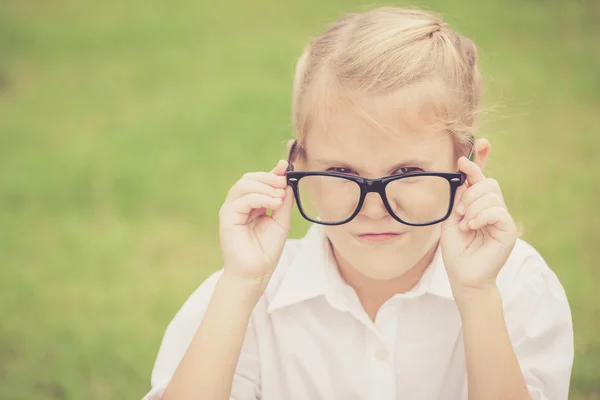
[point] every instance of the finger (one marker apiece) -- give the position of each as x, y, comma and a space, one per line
268, 178
238, 211
477, 191
280, 168
472, 170
246, 186
247, 203
496, 216
256, 213
488, 200
283, 215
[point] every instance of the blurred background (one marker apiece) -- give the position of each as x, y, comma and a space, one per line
124, 123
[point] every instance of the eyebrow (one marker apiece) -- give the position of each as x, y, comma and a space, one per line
415, 162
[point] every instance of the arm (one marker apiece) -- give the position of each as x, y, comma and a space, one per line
523, 349
208, 351
527, 342
184, 329
208, 367
493, 370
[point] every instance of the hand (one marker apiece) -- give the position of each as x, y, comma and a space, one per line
251, 240
478, 236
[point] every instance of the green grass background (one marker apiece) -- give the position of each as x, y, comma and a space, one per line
123, 124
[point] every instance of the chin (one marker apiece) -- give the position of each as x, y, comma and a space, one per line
385, 274
383, 259
384, 262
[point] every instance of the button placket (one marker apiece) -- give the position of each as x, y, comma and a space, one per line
379, 355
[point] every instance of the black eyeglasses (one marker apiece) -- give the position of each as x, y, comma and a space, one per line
415, 198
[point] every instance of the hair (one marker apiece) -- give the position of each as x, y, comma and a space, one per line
398, 53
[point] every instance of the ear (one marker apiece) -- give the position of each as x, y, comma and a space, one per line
482, 152
289, 144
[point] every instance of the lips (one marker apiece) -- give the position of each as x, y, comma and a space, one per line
379, 236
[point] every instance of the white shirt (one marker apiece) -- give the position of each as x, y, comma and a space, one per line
310, 339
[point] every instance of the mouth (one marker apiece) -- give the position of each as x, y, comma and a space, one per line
379, 237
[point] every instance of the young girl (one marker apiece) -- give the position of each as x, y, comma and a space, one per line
411, 283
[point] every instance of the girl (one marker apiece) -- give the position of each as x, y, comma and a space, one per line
411, 283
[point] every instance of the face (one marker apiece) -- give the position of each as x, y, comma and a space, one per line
373, 242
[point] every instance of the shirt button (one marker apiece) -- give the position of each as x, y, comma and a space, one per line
381, 354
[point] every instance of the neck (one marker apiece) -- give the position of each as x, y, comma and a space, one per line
373, 293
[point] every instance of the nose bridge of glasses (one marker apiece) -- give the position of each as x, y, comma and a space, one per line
375, 186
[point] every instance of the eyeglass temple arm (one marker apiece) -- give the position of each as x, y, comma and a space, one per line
471, 155
291, 156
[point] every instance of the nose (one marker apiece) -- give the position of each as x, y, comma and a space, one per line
373, 206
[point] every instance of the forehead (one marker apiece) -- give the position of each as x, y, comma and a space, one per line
378, 130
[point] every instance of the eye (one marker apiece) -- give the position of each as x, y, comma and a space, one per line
341, 170
408, 170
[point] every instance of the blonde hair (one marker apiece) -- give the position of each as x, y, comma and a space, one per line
395, 52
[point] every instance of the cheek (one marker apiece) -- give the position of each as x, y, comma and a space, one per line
422, 238
345, 244
338, 235
419, 200
331, 199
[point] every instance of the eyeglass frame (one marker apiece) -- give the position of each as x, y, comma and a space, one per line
455, 180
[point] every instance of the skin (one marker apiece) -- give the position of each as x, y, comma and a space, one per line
347, 143
476, 241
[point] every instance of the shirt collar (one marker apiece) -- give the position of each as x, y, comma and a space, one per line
307, 274
435, 279
313, 273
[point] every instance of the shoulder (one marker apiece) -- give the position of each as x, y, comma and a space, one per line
538, 320
199, 299
526, 270
523, 263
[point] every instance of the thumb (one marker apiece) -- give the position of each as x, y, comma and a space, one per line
280, 168
283, 214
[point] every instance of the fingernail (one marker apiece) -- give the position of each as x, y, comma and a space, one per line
460, 208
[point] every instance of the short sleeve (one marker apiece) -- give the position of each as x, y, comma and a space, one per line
178, 336
539, 322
